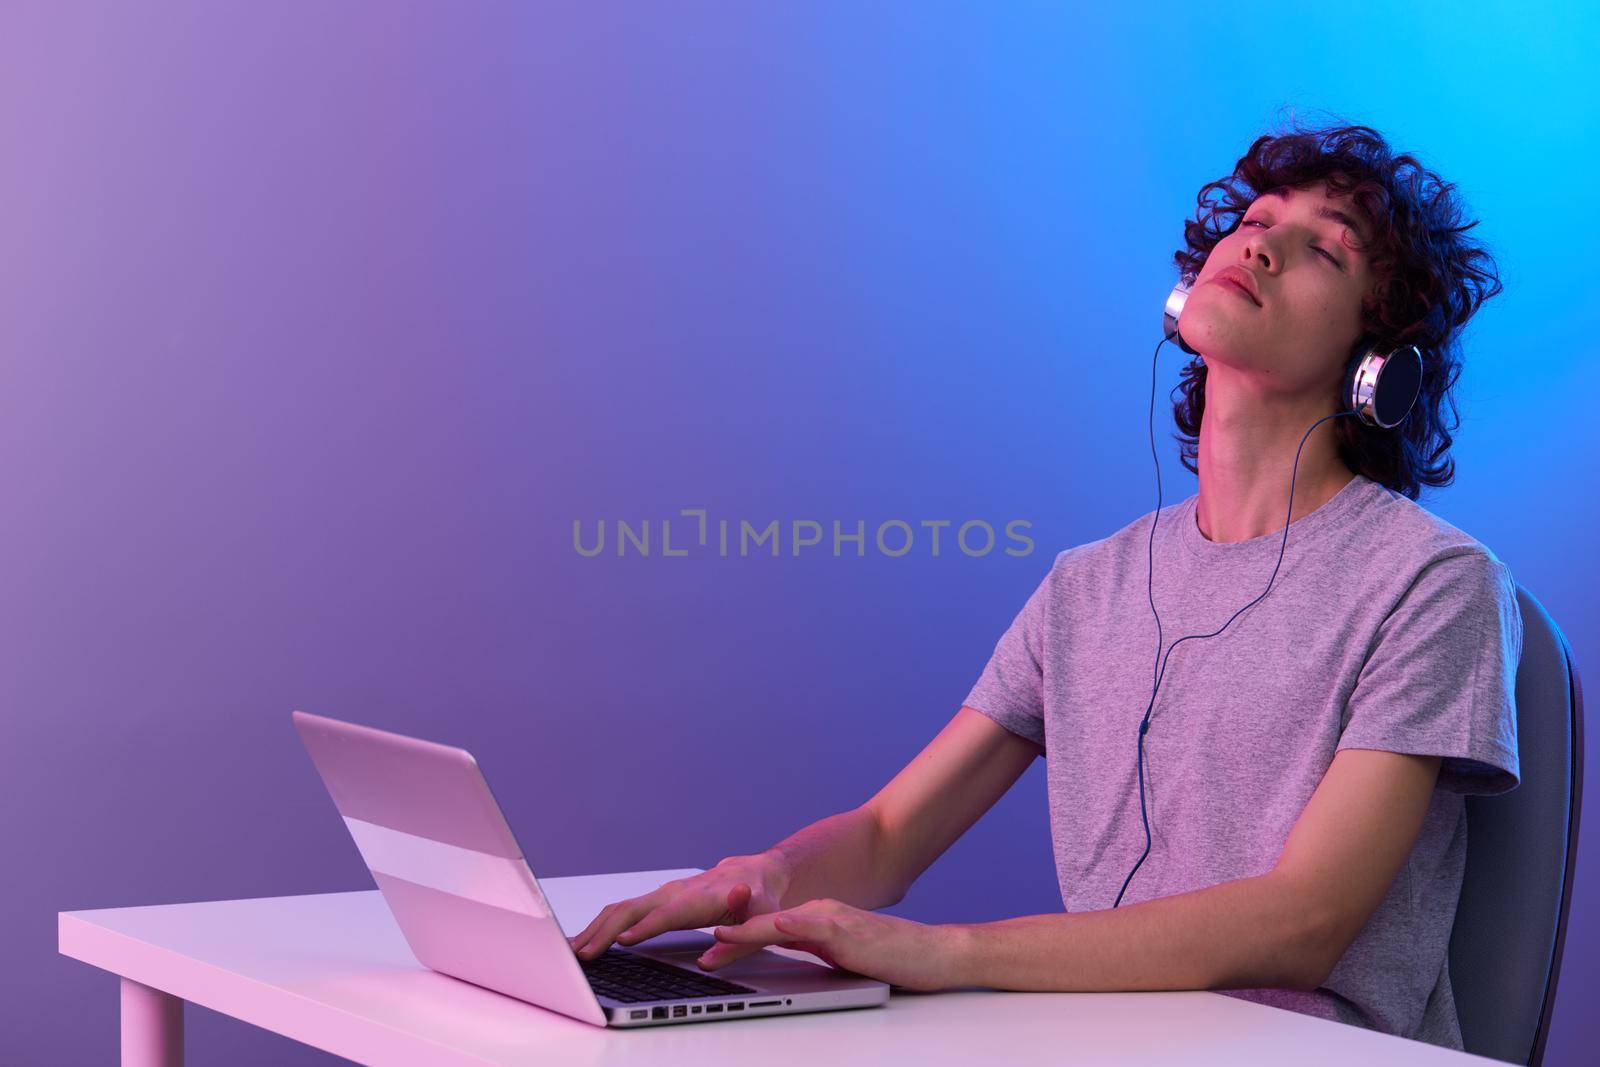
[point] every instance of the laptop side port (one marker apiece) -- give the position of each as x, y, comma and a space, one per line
680, 1010
765, 1003
639, 1013
658, 1013
737, 1005
713, 1009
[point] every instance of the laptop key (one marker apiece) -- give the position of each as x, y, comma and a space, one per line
615, 973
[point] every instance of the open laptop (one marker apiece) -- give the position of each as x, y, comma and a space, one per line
469, 905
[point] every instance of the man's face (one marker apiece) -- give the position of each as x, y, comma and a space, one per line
1297, 335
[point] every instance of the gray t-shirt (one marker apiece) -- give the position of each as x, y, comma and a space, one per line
1385, 628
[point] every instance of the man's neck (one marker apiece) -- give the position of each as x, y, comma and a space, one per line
1247, 453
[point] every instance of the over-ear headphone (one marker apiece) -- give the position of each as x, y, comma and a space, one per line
1381, 384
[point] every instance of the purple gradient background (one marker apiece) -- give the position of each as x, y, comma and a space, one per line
320, 324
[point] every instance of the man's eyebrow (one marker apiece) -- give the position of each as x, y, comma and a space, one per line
1323, 212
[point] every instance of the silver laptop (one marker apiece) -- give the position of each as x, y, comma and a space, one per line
469, 905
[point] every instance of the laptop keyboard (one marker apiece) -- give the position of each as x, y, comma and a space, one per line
632, 978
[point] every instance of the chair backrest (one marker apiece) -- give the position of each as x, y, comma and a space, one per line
1511, 923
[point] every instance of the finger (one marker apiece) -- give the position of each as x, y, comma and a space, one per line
627, 913
760, 929
681, 913
720, 955
588, 931
738, 909
776, 928
621, 915
582, 936
812, 934
617, 917
802, 925
689, 913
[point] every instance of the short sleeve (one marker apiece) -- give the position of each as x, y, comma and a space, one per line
1011, 688
1441, 677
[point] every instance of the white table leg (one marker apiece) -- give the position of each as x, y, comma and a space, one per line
152, 1027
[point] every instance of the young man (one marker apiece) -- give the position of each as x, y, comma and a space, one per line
1303, 771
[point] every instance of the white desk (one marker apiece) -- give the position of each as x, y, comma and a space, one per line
334, 972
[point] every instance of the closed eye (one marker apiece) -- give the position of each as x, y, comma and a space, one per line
1322, 251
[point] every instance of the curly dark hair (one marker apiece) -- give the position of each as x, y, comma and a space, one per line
1430, 278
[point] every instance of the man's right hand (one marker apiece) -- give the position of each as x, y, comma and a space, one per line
731, 892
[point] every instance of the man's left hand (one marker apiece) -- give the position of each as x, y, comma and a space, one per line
903, 953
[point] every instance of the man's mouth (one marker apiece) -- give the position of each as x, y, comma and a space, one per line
1239, 289
1225, 280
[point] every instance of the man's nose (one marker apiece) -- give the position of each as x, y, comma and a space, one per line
1257, 252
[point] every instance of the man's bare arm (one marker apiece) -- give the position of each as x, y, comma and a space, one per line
1286, 927
866, 857
870, 856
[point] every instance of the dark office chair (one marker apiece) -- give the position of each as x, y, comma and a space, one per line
1511, 924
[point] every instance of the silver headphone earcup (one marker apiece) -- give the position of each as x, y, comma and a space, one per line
1381, 387
1173, 309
